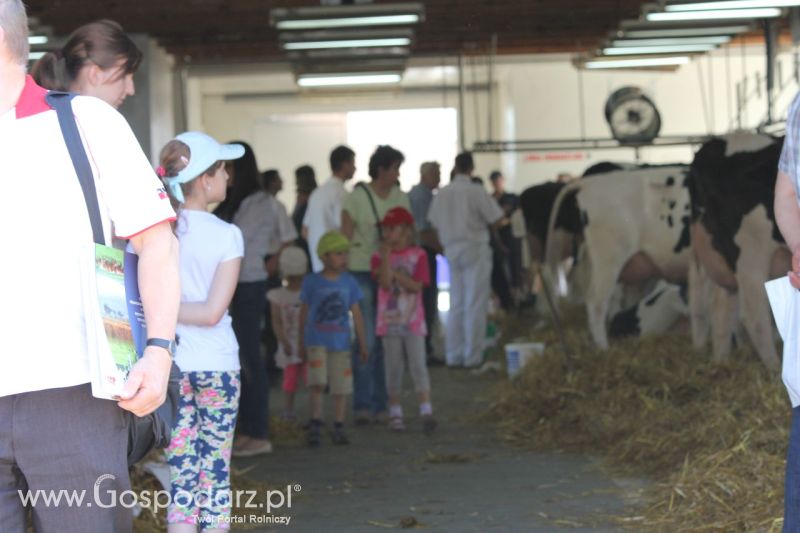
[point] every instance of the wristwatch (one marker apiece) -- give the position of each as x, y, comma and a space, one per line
168, 345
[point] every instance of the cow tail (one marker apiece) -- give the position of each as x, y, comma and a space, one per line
550, 259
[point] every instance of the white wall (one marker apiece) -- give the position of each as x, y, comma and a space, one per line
536, 97
234, 109
540, 100
286, 141
421, 134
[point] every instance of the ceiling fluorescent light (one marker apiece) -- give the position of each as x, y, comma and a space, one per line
339, 80
37, 39
349, 53
718, 14
633, 50
34, 56
347, 22
719, 39
684, 32
347, 43
636, 63
731, 4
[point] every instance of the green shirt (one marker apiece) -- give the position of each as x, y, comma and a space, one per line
365, 240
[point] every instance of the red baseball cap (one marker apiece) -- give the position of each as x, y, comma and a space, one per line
397, 216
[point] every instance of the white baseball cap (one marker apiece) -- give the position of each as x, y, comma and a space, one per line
293, 261
204, 151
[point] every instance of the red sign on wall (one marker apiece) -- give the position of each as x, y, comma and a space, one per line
545, 157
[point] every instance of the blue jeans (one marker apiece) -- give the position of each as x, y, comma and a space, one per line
369, 380
247, 312
791, 498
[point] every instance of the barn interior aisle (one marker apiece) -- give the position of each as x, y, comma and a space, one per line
519, 265
463, 478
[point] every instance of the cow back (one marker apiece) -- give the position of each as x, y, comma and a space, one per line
642, 210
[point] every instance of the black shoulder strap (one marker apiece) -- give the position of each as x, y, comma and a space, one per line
364, 186
62, 103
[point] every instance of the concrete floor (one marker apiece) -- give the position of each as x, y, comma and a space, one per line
384, 479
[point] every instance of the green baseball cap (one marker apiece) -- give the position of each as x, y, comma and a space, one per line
333, 241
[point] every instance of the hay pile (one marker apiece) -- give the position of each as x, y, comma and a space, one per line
713, 437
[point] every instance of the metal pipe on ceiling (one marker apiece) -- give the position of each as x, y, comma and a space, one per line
600, 143
462, 141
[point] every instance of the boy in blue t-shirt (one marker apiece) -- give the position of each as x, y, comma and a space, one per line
328, 298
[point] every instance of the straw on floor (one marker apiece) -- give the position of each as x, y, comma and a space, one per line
711, 437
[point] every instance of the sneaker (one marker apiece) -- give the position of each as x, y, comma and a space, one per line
338, 436
363, 418
428, 424
253, 447
396, 423
313, 437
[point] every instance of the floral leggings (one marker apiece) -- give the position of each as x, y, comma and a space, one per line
199, 455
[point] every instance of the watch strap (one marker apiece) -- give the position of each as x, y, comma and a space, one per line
168, 345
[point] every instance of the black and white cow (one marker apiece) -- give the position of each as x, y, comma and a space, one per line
635, 226
735, 238
536, 203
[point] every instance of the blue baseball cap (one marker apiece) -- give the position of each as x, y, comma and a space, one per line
204, 151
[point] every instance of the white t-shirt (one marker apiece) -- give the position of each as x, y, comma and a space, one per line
324, 214
289, 304
50, 318
205, 243
264, 231
463, 211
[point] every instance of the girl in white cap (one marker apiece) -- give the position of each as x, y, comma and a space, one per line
192, 167
285, 303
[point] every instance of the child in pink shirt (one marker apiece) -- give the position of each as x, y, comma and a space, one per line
401, 269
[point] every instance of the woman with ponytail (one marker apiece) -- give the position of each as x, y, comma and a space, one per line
98, 59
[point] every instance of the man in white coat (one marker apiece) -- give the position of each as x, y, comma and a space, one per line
462, 214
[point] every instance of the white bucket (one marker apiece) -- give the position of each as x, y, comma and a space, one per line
518, 355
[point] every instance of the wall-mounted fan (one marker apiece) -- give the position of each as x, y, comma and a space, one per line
632, 116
